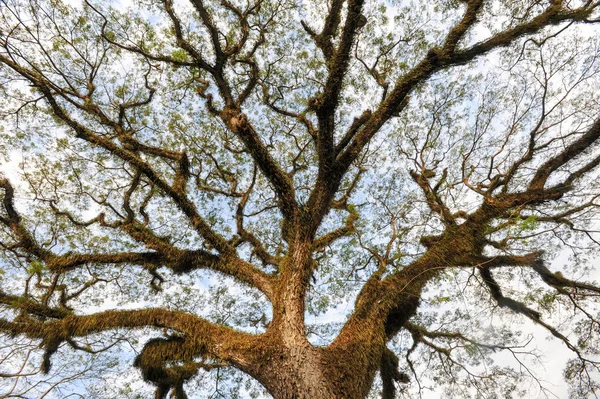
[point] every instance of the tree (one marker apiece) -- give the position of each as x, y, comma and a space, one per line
406, 158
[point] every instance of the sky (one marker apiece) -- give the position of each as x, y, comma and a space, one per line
554, 351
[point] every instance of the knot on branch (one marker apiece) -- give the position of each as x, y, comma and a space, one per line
361, 21
239, 122
315, 103
152, 362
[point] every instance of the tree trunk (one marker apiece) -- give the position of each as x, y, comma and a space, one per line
297, 374
285, 362
305, 372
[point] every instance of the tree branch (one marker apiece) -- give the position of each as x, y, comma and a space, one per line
573, 150
209, 337
178, 260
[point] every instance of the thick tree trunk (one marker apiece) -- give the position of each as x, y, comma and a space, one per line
318, 373
288, 366
298, 374
283, 359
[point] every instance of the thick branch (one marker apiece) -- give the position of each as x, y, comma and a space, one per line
447, 56
82, 132
209, 338
534, 262
459, 31
29, 306
332, 21
519, 307
286, 194
178, 260
573, 150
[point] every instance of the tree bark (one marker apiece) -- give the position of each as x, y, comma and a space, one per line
303, 372
288, 365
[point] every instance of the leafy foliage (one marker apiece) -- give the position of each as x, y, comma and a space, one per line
299, 199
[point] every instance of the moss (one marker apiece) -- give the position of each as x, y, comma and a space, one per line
390, 374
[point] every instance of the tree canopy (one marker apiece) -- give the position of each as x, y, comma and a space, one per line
301, 199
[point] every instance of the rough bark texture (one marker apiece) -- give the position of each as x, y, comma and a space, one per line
224, 79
